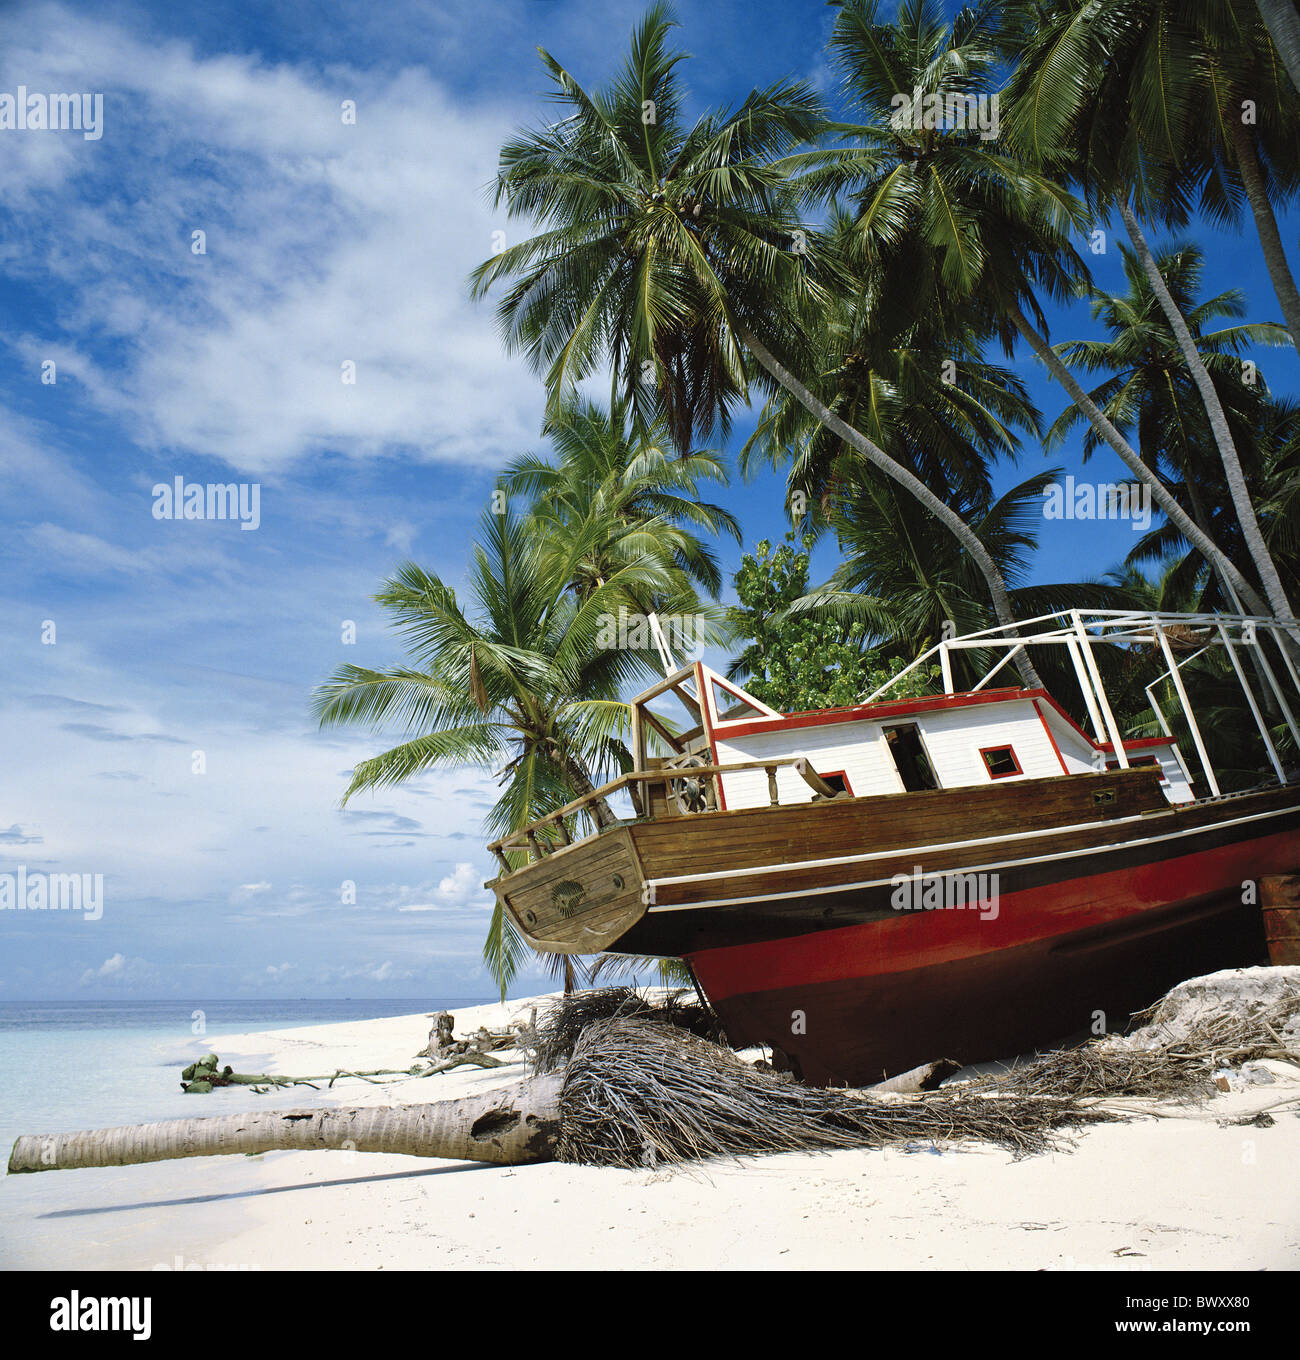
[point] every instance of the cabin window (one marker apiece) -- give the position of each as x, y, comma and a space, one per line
733, 707
910, 758
838, 781
1000, 761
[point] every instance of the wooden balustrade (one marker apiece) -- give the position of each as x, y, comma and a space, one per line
527, 837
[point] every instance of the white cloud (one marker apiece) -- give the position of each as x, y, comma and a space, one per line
80, 551
119, 971
463, 885
325, 243
247, 891
458, 890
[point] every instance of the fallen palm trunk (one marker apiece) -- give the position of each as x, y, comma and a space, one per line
636, 1092
515, 1125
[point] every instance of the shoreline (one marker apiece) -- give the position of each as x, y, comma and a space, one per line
1177, 1192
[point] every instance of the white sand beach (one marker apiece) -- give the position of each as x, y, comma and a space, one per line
1175, 1192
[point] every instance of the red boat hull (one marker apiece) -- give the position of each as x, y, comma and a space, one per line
852, 1005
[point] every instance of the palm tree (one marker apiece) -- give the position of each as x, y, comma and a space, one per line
920, 387
1105, 92
1222, 431
523, 686
1278, 444
669, 251
648, 500
1149, 392
1189, 95
972, 231
1250, 144
899, 582
641, 502
1284, 28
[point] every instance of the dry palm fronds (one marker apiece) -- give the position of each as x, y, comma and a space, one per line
638, 1092
1183, 637
562, 1026
1099, 1068
1172, 1055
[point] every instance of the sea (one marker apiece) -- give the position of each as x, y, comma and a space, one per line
68, 1065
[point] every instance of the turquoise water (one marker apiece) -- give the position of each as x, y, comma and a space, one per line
93, 1064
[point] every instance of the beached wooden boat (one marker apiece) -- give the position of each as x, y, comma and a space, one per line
962, 875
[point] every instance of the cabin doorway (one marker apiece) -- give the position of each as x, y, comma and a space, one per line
910, 758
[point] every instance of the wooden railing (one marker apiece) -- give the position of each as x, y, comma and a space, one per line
526, 838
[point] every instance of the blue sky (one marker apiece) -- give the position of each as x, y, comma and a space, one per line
325, 243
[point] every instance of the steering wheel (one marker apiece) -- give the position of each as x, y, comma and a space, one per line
689, 793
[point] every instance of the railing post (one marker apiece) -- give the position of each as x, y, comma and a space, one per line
1085, 685
1176, 676
1090, 662
773, 797
945, 667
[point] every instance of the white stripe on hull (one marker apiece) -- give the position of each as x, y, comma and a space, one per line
655, 883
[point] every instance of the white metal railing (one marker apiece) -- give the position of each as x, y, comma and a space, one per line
1080, 631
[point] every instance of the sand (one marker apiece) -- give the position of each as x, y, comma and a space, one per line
1170, 1193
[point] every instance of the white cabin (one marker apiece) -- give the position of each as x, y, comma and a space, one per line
903, 745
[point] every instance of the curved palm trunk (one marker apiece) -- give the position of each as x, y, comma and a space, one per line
1266, 695
581, 782
1270, 240
878, 458
518, 1124
1175, 513
1283, 25
1241, 501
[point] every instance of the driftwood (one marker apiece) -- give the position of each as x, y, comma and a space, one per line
444, 1045
440, 1037
928, 1077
